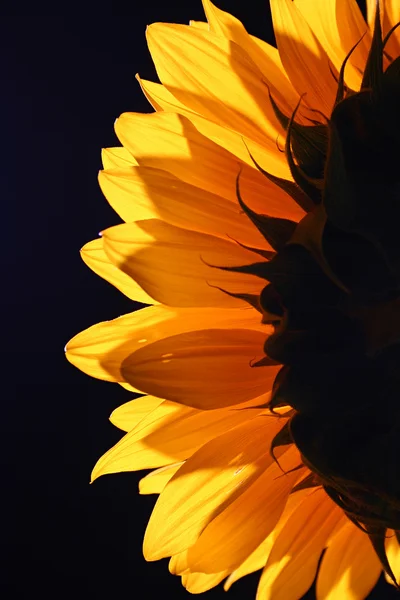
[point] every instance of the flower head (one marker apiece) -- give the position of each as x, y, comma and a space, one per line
261, 203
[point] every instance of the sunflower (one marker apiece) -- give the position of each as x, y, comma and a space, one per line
261, 205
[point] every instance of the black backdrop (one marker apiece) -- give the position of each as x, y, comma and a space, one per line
66, 77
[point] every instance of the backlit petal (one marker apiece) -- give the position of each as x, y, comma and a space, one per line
144, 192
390, 19
169, 434
264, 56
338, 26
155, 482
303, 56
350, 567
236, 532
205, 369
226, 139
115, 158
128, 415
258, 557
170, 141
169, 263
207, 483
101, 349
197, 583
293, 561
95, 258
393, 554
214, 77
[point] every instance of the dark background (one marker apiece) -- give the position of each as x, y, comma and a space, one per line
66, 77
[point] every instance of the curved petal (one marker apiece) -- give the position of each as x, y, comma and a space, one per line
95, 258
338, 26
258, 558
303, 56
213, 77
205, 369
169, 263
178, 563
144, 192
350, 567
199, 25
195, 126
264, 56
197, 583
236, 532
155, 482
116, 158
391, 16
101, 349
169, 434
393, 554
128, 415
293, 561
172, 142
371, 7
207, 483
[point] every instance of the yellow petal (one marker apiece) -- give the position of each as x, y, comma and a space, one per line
339, 25
95, 258
205, 369
200, 25
178, 563
391, 16
115, 158
144, 192
195, 126
213, 77
169, 434
170, 141
128, 415
258, 557
264, 56
236, 532
206, 484
393, 554
293, 561
371, 7
303, 56
197, 583
169, 263
350, 567
155, 482
100, 350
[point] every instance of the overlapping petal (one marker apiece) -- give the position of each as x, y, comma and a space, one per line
205, 369
338, 26
208, 482
128, 415
96, 259
239, 145
236, 532
350, 567
293, 561
172, 264
213, 77
257, 559
101, 349
302, 56
393, 554
155, 481
144, 192
168, 434
266, 57
171, 142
